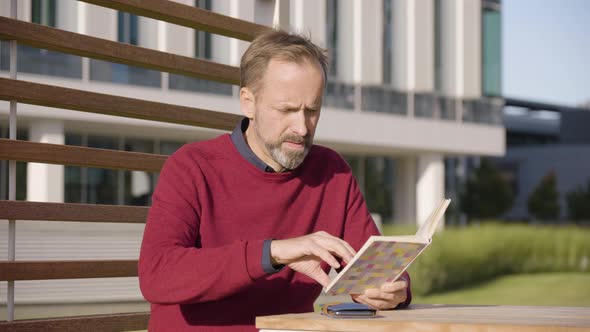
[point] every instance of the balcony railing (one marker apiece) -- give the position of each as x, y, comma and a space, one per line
339, 95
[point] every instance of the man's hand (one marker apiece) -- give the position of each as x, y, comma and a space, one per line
304, 254
387, 297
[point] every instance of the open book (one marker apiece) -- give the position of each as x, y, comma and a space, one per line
384, 258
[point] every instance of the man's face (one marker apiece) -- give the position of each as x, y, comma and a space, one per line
284, 112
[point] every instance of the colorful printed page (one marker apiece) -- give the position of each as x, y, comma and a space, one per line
381, 262
384, 258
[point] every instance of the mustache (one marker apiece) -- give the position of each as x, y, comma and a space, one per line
295, 139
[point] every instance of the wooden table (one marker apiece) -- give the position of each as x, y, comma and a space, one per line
447, 318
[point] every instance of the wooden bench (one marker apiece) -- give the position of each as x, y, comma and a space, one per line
17, 91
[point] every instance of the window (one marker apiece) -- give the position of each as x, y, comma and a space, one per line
203, 50
41, 61
127, 32
101, 184
108, 186
127, 26
491, 48
138, 185
379, 186
21, 168
387, 41
43, 12
438, 34
332, 35
203, 38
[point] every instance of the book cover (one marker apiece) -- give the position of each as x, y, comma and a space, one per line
384, 258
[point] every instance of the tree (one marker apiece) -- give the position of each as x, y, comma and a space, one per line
543, 201
578, 203
487, 194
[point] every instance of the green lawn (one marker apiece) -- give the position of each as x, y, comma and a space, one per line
547, 289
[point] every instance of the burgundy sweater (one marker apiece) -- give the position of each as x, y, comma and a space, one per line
200, 264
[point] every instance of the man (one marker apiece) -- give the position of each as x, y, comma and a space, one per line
249, 224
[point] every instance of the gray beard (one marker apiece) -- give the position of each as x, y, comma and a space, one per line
289, 160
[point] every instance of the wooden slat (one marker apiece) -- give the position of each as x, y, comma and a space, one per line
79, 156
188, 16
69, 42
112, 322
85, 101
45, 270
22, 210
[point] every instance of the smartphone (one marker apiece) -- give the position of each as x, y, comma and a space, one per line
348, 310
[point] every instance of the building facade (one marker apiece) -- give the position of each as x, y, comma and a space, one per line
414, 88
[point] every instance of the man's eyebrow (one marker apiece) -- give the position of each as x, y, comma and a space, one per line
286, 104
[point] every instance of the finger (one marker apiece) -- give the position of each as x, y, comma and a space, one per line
336, 247
324, 255
348, 247
378, 304
395, 286
321, 277
377, 294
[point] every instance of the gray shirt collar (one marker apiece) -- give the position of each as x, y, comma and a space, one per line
237, 137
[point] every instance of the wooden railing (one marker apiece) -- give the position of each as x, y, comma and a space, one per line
78, 100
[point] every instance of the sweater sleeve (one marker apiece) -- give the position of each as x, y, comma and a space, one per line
173, 269
360, 226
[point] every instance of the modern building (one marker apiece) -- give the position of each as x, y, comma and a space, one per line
414, 89
544, 138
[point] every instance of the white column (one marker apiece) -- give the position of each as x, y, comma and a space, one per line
309, 17
45, 182
101, 22
461, 48
404, 204
178, 39
413, 45
360, 29
430, 186
148, 33
67, 15
243, 9
281, 16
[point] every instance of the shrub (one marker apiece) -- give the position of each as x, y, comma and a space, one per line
459, 257
543, 202
578, 203
487, 194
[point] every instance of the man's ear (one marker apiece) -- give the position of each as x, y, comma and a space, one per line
247, 102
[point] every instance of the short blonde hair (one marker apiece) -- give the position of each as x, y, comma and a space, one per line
281, 45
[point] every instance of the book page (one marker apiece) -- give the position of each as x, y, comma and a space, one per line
384, 258
428, 228
381, 262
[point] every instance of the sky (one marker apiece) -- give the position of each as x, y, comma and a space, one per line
546, 50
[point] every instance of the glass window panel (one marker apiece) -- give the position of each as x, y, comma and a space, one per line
127, 28
138, 185
379, 186
438, 35
387, 41
203, 38
119, 73
101, 183
180, 82
332, 35
43, 12
41, 61
169, 148
73, 183
492, 53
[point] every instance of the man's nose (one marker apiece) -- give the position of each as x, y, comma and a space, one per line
299, 125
